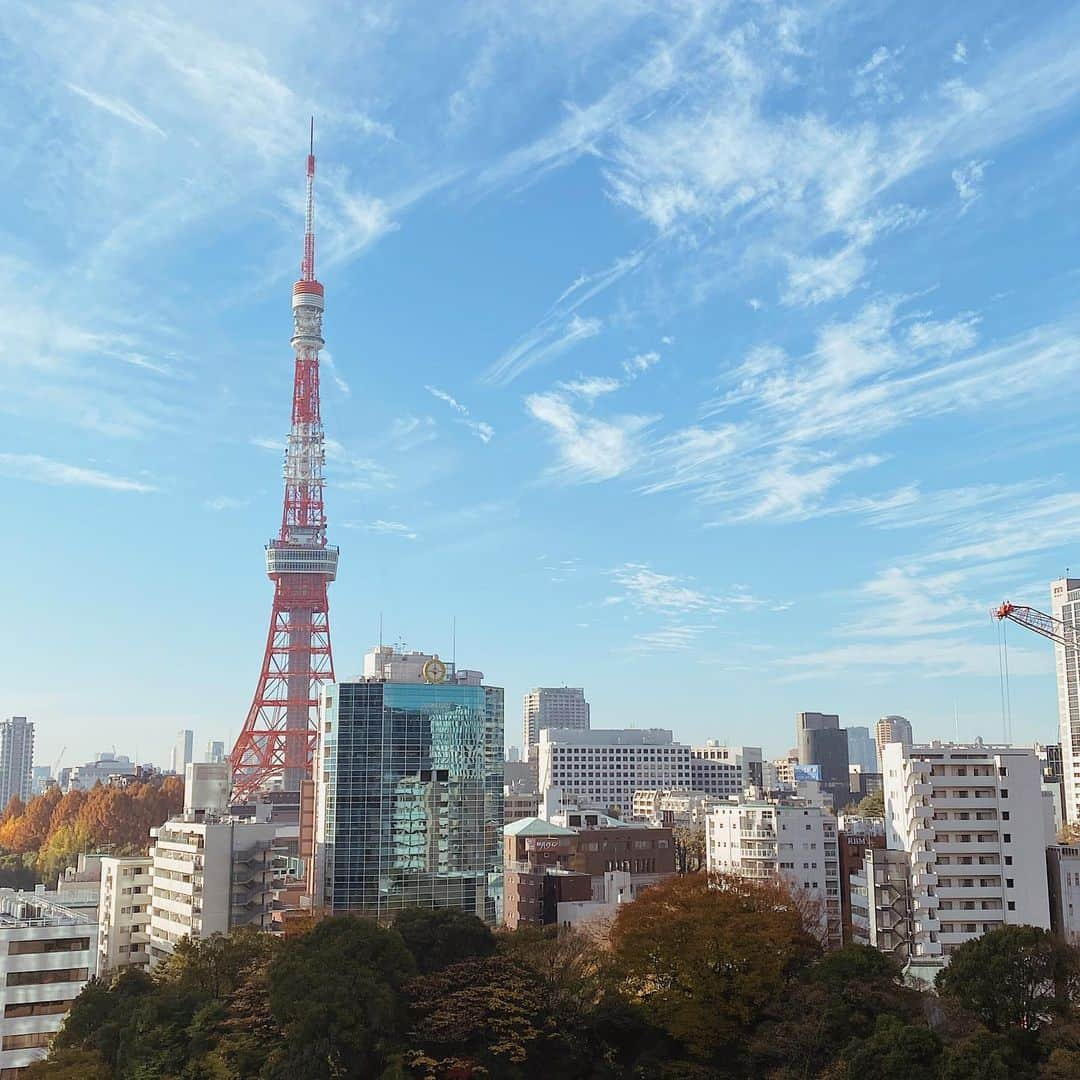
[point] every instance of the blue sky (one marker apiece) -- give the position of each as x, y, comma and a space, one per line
718, 357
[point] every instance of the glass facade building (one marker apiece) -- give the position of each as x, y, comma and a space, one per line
410, 790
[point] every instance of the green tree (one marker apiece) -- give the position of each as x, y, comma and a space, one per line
336, 995
437, 937
70, 1065
215, 967
1014, 976
705, 954
895, 1051
980, 1056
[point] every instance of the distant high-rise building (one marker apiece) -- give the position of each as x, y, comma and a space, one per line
823, 742
409, 808
215, 752
16, 758
562, 707
513, 754
1065, 605
183, 751
891, 729
861, 749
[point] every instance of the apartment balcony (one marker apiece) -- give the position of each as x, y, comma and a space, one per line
923, 856
973, 892
926, 925
969, 847
920, 789
925, 833
926, 878
758, 834
919, 810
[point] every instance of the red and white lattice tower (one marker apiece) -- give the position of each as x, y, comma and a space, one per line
279, 734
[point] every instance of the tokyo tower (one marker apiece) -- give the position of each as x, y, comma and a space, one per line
278, 739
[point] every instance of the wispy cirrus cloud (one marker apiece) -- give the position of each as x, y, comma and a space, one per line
480, 428
43, 470
386, 528
120, 109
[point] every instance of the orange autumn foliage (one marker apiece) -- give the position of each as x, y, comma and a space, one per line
102, 818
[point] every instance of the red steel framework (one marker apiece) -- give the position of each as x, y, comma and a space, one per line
279, 735
1040, 622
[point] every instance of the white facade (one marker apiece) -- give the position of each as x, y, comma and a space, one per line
104, 766
1063, 872
386, 664
603, 768
47, 955
124, 913
553, 707
972, 821
183, 751
16, 759
792, 840
209, 876
685, 809
1065, 605
722, 771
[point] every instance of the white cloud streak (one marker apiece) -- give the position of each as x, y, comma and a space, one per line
42, 470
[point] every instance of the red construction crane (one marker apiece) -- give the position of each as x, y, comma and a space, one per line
1040, 622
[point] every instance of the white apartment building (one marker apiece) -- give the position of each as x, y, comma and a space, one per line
675, 809
47, 955
972, 822
16, 758
124, 913
603, 768
787, 839
1065, 605
553, 707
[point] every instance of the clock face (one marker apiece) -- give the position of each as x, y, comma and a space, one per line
434, 671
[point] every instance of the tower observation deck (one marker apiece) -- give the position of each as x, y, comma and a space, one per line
276, 746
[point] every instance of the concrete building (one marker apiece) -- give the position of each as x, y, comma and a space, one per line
517, 806
725, 770
16, 758
215, 752
47, 954
183, 752
823, 742
1063, 880
409, 807
856, 835
890, 729
970, 818
553, 707
673, 809
592, 866
1065, 606
883, 906
861, 749
40, 778
101, 770
603, 768
787, 839
124, 913
212, 872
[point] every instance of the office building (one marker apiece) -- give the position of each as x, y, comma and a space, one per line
102, 770
1065, 606
518, 806
553, 707
862, 750
48, 953
603, 768
215, 752
212, 872
823, 742
725, 770
786, 838
124, 913
40, 778
16, 758
182, 751
890, 729
409, 808
971, 821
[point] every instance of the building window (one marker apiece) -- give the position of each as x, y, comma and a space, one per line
25, 948
26, 1042
41, 978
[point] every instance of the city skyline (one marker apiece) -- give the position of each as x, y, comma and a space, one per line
724, 342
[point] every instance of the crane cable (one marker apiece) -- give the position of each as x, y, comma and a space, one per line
1003, 679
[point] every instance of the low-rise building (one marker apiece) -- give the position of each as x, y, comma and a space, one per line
883, 911
855, 836
674, 809
47, 955
517, 806
124, 913
781, 839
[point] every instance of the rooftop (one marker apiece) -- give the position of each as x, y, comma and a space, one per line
534, 826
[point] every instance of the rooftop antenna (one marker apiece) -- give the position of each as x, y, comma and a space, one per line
453, 643
380, 629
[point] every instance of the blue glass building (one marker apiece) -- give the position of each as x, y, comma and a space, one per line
409, 794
